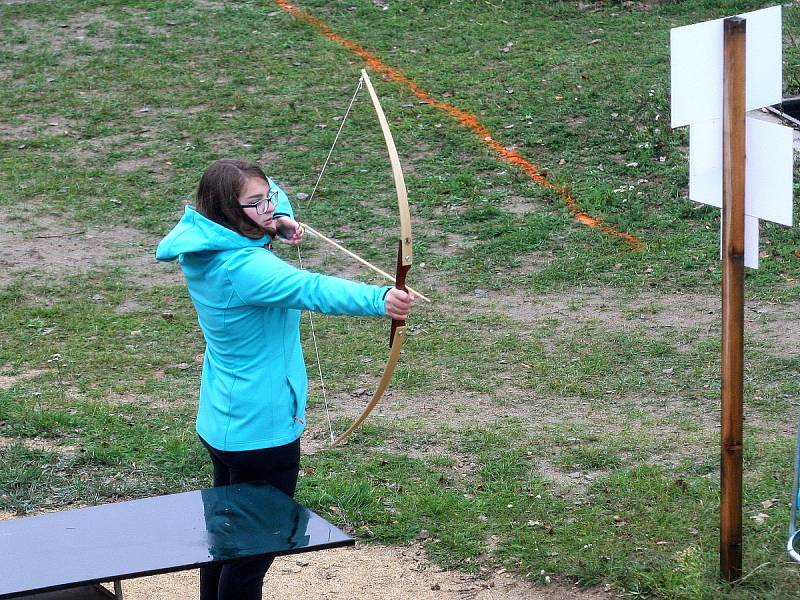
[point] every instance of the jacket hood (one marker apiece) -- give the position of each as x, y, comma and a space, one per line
196, 233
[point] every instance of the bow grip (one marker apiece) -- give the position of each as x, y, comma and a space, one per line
400, 284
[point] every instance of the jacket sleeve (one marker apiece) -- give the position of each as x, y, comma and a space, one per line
282, 207
260, 278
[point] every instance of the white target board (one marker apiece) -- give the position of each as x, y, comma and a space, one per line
768, 168
696, 64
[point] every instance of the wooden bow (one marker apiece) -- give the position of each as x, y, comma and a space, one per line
397, 334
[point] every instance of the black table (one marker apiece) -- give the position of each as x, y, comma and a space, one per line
77, 549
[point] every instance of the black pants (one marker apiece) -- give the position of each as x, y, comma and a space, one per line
279, 467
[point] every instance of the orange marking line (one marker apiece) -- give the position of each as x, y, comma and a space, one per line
465, 119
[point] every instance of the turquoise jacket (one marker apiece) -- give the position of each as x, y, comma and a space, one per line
248, 302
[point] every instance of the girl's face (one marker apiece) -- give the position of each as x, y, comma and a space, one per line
258, 202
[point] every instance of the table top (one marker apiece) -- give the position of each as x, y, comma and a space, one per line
156, 535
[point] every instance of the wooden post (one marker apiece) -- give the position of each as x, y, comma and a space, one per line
733, 189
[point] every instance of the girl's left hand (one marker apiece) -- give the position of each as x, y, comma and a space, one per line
398, 303
289, 231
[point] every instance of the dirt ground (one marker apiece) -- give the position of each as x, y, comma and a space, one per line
373, 572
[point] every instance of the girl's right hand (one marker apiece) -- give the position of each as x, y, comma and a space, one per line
398, 304
289, 231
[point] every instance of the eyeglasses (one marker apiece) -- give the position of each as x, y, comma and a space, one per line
261, 205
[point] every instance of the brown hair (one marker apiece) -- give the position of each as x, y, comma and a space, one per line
217, 196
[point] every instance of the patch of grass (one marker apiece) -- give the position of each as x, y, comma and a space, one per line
590, 458
536, 530
90, 349
106, 456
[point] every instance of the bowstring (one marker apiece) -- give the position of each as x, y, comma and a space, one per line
300, 256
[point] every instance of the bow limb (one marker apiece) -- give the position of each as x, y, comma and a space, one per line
406, 253
404, 260
394, 357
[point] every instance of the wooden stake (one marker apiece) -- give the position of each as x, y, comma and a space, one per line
733, 189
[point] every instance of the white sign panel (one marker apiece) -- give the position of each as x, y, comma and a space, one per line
768, 168
697, 66
750, 241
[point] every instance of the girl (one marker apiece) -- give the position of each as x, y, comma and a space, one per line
248, 301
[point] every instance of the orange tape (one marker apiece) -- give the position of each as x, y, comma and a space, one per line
465, 119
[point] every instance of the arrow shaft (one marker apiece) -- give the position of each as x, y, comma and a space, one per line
355, 256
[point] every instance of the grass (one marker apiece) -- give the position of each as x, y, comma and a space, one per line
558, 401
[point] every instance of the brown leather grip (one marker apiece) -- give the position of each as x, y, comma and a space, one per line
400, 284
